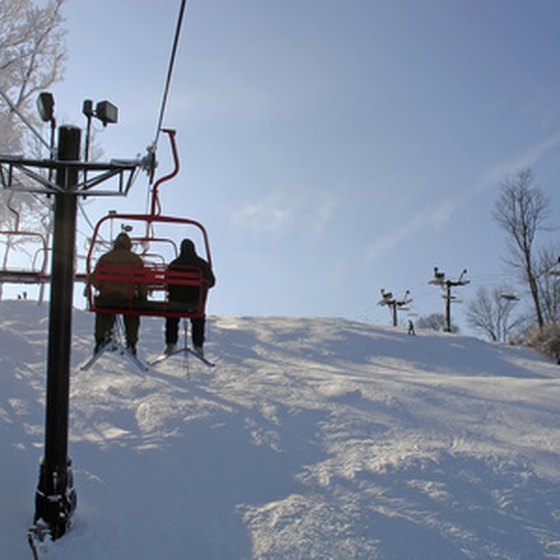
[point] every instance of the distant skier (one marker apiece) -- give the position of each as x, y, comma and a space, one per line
411, 327
188, 258
114, 291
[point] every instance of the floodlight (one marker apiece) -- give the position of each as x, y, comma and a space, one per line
87, 108
45, 105
106, 112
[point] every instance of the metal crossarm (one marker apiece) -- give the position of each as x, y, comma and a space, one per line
125, 170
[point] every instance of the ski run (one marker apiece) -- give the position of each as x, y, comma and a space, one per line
312, 438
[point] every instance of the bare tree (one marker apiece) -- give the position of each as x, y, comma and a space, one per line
32, 56
521, 211
434, 322
490, 312
549, 284
546, 340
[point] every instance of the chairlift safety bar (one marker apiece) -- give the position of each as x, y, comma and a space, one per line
153, 278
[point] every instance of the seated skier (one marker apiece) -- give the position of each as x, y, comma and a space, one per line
176, 293
114, 291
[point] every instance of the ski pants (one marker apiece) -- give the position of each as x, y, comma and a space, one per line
172, 331
104, 323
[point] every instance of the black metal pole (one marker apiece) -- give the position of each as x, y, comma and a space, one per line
448, 307
56, 499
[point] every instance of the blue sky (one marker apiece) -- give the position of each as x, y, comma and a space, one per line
331, 148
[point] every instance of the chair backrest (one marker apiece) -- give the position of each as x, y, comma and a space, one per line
156, 279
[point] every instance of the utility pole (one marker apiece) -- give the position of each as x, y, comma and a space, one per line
394, 304
446, 285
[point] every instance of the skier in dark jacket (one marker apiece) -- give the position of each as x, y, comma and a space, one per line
120, 256
188, 258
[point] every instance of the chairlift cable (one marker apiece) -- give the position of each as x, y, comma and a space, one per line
169, 72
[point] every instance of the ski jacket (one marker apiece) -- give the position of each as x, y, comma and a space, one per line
188, 259
120, 257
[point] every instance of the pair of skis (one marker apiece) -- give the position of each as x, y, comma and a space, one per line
185, 350
114, 346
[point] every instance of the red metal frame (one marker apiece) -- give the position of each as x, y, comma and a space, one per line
155, 277
32, 274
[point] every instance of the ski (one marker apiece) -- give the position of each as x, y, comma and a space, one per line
132, 358
96, 355
38, 538
33, 545
164, 356
115, 347
201, 358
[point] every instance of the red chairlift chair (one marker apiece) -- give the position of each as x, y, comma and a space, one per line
155, 275
36, 270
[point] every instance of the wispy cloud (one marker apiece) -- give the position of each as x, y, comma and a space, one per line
239, 99
282, 211
266, 216
434, 219
437, 217
526, 158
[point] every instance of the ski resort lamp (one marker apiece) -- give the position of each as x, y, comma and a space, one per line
45, 105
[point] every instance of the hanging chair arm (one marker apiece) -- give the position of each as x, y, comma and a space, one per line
155, 206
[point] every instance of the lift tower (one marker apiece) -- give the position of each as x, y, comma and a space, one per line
446, 285
55, 498
394, 304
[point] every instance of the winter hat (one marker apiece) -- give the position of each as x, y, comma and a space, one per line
187, 247
123, 241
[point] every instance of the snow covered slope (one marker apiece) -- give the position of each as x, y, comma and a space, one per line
312, 438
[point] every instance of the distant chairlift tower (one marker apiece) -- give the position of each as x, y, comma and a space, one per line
446, 285
394, 304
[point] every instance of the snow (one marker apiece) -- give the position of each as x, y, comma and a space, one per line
311, 438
